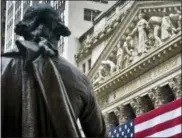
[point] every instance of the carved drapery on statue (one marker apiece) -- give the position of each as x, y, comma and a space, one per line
120, 56
99, 76
167, 28
155, 23
142, 34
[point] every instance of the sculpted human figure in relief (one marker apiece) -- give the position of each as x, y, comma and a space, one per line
142, 35
167, 28
129, 51
176, 19
120, 56
110, 65
99, 76
155, 23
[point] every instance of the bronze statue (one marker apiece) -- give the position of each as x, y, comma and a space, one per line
42, 94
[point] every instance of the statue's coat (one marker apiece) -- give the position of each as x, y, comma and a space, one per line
34, 102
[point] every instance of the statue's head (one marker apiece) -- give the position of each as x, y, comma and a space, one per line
119, 44
128, 38
41, 20
141, 15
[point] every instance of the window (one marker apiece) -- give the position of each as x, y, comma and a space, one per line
130, 114
60, 7
89, 15
17, 16
15, 37
48, 1
61, 45
10, 24
113, 120
167, 94
83, 67
17, 4
147, 103
102, 1
9, 44
61, 3
26, 4
56, 6
62, 17
10, 9
34, 2
89, 64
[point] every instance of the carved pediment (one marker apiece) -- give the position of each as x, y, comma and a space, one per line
148, 26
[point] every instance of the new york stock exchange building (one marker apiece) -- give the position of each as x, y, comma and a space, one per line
132, 55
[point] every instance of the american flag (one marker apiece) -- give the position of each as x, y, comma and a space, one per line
165, 121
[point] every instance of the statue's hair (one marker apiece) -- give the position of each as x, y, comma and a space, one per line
143, 14
41, 14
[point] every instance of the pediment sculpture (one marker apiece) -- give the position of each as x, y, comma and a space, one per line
145, 33
99, 76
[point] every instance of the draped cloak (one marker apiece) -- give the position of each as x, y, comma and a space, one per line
42, 96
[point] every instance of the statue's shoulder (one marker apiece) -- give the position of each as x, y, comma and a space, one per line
9, 59
71, 74
11, 54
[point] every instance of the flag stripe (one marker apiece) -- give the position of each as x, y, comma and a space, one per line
158, 120
179, 135
165, 121
160, 127
168, 132
156, 112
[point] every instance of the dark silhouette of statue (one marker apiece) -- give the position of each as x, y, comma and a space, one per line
42, 94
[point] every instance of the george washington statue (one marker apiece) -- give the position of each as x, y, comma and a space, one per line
42, 95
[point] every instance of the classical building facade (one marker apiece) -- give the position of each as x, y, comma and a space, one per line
132, 55
79, 16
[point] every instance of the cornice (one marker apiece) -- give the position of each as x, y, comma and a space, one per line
119, 100
105, 34
94, 40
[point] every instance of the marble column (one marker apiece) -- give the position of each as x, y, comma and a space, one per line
106, 118
121, 115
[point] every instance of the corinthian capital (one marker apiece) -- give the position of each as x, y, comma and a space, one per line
156, 97
106, 118
137, 105
121, 115
175, 85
